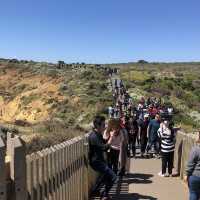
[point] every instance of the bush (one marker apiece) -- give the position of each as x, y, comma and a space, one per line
52, 72
179, 92
19, 88
22, 123
142, 62
28, 99
185, 119
63, 86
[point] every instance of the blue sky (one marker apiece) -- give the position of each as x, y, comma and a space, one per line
100, 31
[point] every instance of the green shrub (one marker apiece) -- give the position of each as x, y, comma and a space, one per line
185, 119
28, 99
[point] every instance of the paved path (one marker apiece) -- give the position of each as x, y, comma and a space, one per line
146, 184
143, 183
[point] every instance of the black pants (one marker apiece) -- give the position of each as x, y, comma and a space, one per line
113, 160
167, 162
143, 142
132, 143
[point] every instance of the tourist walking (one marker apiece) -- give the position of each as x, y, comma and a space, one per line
153, 140
132, 129
123, 157
143, 125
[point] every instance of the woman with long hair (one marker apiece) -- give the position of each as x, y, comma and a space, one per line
115, 138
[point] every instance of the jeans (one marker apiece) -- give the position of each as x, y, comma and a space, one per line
108, 176
194, 187
154, 144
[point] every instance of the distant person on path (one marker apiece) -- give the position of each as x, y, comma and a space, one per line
123, 157
166, 133
116, 83
193, 172
117, 111
132, 128
97, 147
153, 140
111, 111
143, 125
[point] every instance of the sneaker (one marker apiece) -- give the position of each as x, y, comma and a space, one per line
162, 175
146, 156
158, 156
96, 193
106, 198
121, 173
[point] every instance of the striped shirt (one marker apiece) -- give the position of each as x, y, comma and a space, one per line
167, 139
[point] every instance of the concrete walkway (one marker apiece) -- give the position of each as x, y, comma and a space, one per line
143, 183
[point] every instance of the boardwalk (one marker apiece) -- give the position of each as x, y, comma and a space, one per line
143, 183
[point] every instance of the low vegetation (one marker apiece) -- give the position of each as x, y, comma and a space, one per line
48, 103
176, 83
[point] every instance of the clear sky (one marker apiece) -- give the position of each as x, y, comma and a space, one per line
100, 31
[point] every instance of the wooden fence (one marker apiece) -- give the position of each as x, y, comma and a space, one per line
184, 144
60, 172
3, 191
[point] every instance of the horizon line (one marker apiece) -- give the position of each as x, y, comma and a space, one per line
103, 63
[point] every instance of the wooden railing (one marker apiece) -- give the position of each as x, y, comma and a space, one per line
3, 192
60, 172
184, 144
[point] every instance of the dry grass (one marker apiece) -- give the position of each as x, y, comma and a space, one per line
48, 105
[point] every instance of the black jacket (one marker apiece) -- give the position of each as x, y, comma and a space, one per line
97, 147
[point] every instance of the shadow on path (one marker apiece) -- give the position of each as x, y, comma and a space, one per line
138, 178
120, 190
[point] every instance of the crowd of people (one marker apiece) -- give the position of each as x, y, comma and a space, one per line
141, 120
146, 125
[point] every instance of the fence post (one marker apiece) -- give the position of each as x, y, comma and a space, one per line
10, 136
178, 153
183, 158
3, 191
18, 168
86, 170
